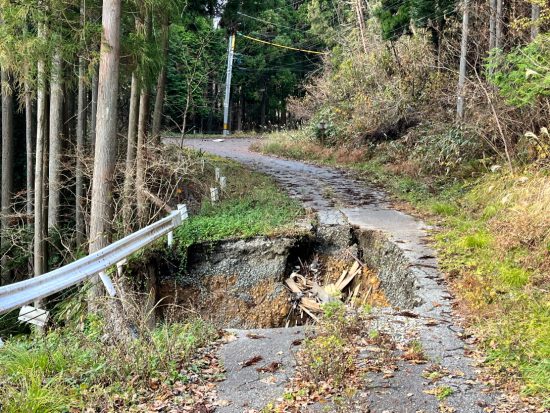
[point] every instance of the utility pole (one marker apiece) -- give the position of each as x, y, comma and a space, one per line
230, 52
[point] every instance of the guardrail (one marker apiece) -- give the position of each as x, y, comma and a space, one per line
18, 294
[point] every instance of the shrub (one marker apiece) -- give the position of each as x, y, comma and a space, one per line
522, 75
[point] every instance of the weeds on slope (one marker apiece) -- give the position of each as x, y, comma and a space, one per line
74, 369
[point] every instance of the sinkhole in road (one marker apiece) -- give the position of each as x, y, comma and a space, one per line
244, 283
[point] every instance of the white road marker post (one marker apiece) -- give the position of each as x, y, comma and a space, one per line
214, 195
223, 182
217, 173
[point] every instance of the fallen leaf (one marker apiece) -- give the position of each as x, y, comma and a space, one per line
406, 313
270, 368
254, 336
222, 403
252, 361
269, 380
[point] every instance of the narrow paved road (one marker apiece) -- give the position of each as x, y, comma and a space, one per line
335, 194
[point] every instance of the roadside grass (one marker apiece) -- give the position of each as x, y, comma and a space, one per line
252, 205
72, 369
493, 242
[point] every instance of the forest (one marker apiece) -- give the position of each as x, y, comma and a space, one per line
112, 114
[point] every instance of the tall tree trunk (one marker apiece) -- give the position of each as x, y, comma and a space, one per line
29, 154
106, 128
492, 23
141, 152
211, 102
29, 148
498, 25
55, 135
93, 109
463, 56
161, 82
80, 152
535, 16
240, 110
142, 139
263, 107
185, 112
130, 154
7, 163
361, 22
80, 140
39, 189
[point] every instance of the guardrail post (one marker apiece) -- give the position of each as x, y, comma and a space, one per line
120, 265
214, 195
223, 182
107, 283
32, 315
1, 343
217, 172
170, 239
183, 211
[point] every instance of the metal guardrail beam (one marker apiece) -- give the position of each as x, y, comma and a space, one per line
15, 295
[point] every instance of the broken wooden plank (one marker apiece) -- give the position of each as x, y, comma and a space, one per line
309, 313
342, 277
311, 304
355, 292
348, 279
293, 286
321, 293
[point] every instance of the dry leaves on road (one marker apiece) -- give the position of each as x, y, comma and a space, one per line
251, 361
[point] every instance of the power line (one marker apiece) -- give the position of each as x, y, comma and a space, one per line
255, 39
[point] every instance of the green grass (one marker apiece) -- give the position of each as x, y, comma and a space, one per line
72, 369
253, 205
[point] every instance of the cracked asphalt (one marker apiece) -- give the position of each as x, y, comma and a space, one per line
367, 208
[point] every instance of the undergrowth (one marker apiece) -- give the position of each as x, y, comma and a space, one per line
493, 238
70, 369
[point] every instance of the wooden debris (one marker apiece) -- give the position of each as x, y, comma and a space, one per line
354, 286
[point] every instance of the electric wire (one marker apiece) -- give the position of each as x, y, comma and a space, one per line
281, 45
